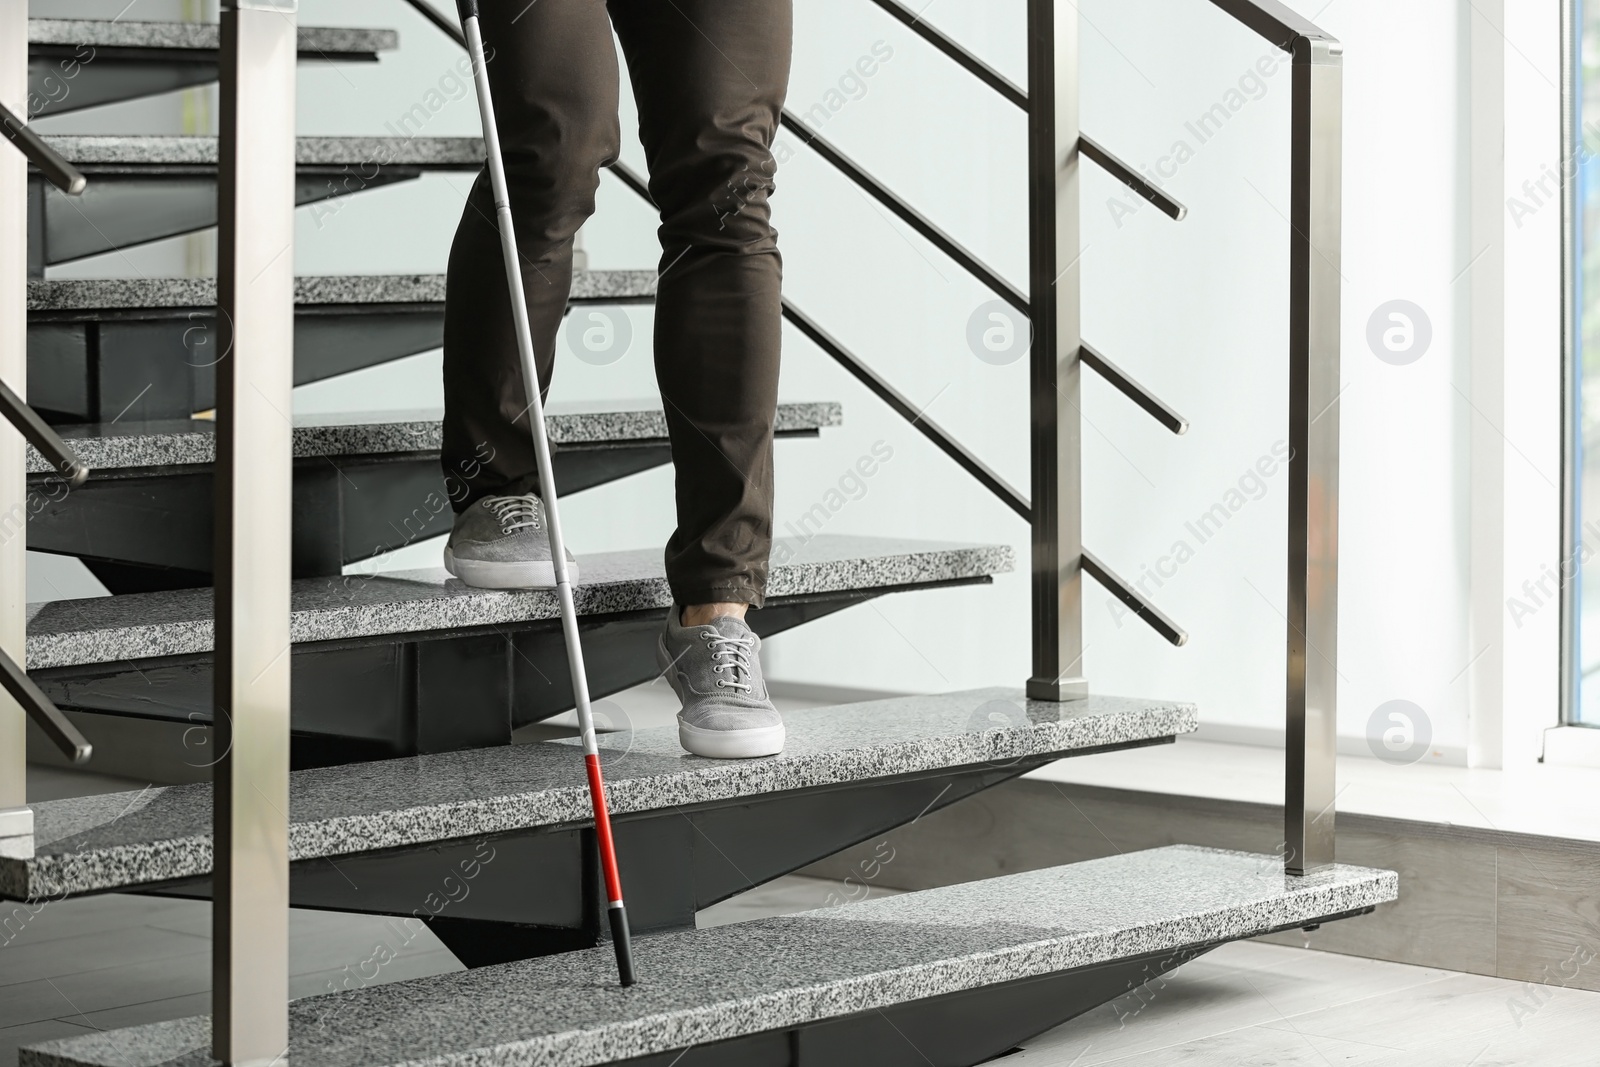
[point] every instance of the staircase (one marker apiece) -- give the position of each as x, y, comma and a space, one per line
137, 349
79, 63
364, 486
694, 831
414, 661
408, 688
146, 188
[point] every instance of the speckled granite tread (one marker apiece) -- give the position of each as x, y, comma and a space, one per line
109, 841
156, 150
187, 442
204, 36
142, 625
98, 294
772, 974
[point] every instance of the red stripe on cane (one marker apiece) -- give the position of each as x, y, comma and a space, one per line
602, 827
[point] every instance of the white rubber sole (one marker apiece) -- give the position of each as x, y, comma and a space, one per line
731, 744
523, 574
719, 744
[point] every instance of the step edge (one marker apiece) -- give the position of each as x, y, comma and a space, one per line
195, 636
366, 832
200, 292
667, 1031
310, 151
58, 31
336, 440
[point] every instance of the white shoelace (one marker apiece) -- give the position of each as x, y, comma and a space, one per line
735, 655
515, 512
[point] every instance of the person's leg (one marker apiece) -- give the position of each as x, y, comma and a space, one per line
710, 79
553, 73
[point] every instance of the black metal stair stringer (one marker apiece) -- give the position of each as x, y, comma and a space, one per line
537, 892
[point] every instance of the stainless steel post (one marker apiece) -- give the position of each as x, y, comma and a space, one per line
16, 819
1313, 608
255, 302
1053, 161
1572, 142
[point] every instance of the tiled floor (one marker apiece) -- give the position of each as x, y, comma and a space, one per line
1259, 1004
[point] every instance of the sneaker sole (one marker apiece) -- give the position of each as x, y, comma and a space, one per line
731, 744
719, 744
522, 574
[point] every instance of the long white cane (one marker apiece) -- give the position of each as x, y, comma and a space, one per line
547, 488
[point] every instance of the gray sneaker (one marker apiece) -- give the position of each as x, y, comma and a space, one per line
715, 671
502, 542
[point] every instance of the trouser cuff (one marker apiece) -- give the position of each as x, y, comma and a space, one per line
718, 594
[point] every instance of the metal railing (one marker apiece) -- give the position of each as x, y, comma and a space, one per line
946, 442
1056, 146
253, 502
13, 678
254, 382
27, 701
56, 170
1315, 225
445, 25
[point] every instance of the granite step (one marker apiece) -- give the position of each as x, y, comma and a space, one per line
146, 188
945, 976
166, 445
413, 662
79, 63
337, 42
362, 487
123, 152
102, 630
140, 348
163, 834
97, 296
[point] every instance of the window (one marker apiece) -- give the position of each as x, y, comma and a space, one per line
1583, 467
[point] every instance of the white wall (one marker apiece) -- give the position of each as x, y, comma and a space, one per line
1195, 310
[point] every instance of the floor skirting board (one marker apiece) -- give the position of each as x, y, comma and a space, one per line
1507, 905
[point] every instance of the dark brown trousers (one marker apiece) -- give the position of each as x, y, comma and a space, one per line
709, 77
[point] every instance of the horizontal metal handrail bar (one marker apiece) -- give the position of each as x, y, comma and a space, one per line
442, 22
879, 386
1130, 388
1092, 150
1019, 96
42, 436
1276, 22
908, 214
1152, 616
916, 416
978, 269
56, 726
971, 263
981, 70
1136, 602
55, 168
887, 393
1008, 495
633, 180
